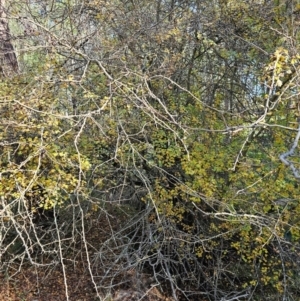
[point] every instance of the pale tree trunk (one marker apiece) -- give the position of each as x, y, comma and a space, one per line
8, 59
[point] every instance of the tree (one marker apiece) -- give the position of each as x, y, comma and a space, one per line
171, 117
9, 63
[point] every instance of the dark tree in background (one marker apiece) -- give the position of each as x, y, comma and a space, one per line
9, 62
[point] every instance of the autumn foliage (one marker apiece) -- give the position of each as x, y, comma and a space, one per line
176, 122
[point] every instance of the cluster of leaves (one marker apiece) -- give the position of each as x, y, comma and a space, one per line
39, 166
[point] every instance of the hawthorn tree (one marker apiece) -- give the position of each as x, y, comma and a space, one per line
178, 119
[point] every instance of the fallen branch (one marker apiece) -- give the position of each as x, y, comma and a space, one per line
284, 157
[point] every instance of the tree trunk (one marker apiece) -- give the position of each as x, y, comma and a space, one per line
8, 59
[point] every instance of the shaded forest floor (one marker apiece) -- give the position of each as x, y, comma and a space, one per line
44, 283
47, 283
34, 285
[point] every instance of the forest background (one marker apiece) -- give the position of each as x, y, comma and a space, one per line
157, 138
